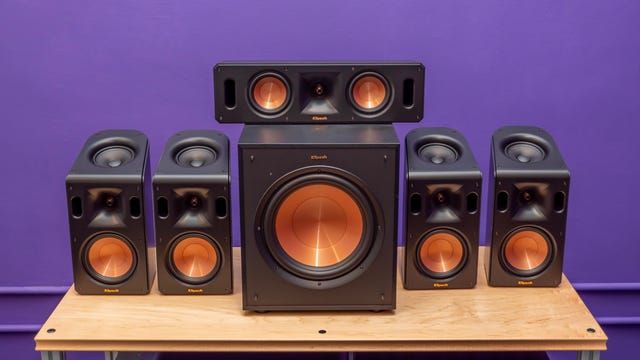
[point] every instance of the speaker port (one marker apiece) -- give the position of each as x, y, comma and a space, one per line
76, 207
415, 204
502, 201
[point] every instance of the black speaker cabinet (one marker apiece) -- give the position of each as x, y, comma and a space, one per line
529, 189
288, 93
193, 226
442, 218
319, 209
108, 194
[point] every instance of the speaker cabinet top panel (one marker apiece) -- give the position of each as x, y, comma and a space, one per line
528, 149
318, 135
109, 153
316, 92
194, 155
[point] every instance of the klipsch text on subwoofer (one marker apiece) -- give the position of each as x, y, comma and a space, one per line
107, 194
528, 194
193, 228
318, 212
442, 210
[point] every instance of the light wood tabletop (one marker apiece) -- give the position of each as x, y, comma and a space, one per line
479, 319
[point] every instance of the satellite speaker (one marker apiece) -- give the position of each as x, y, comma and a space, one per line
193, 226
318, 210
442, 218
529, 189
305, 93
108, 196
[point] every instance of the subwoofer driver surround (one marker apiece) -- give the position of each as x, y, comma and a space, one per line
527, 251
350, 259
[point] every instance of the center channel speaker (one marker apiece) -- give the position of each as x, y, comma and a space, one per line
193, 227
108, 194
529, 187
318, 209
304, 93
442, 217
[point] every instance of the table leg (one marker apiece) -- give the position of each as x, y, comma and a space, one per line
53, 355
589, 355
110, 355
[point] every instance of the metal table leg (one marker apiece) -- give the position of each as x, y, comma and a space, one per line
589, 355
53, 355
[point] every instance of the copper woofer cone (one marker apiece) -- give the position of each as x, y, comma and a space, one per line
110, 257
194, 258
527, 250
269, 93
369, 92
319, 225
441, 253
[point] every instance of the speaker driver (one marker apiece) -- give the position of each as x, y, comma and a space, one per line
525, 152
113, 156
196, 156
527, 251
369, 92
441, 254
269, 93
195, 259
110, 258
437, 153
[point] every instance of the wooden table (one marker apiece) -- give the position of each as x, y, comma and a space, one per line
479, 319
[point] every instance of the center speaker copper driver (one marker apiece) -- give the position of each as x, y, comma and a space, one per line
108, 192
318, 211
442, 217
527, 221
193, 226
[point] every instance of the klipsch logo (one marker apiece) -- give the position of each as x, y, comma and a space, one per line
319, 157
194, 291
525, 282
319, 118
110, 291
441, 285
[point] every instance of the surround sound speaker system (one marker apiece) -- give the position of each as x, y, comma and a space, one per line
442, 217
529, 189
318, 211
108, 196
306, 93
192, 215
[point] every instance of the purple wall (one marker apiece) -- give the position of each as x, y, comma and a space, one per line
70, 69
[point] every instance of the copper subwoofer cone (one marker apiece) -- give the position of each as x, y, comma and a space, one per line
527, 251
110, 258
195, 258
441, 253
269, 93
369, 92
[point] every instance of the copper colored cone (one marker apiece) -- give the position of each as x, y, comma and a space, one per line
441, 252
194, 257
526, 250
270, 93
319, 225
110, 257
369, 92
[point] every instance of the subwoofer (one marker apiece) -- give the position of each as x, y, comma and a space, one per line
108, 196
193, 227
442, 218
318, 209
306, 93
529, 189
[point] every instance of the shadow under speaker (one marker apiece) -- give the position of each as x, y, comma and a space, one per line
108, 194
192, 215
319, 209
442, 211
289, 93
529, 189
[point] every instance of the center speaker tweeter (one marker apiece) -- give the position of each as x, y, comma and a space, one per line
318, 209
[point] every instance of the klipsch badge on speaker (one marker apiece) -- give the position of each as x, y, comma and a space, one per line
529, 187
193, 227
442, 217
106, 194
319, 209
289, 93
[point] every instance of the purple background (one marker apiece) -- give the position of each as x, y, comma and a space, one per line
69, 69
